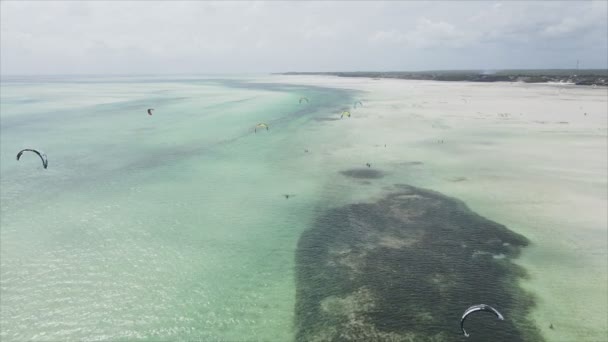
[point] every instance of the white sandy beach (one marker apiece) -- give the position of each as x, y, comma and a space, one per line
524, 155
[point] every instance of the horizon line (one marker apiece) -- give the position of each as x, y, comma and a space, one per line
291, 71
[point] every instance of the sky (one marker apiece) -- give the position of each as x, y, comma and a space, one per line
174, 37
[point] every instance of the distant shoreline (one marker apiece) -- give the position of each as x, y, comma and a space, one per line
588, 77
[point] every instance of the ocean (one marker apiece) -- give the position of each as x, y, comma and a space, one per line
175, 225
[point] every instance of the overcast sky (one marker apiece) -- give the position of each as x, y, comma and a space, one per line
159, 37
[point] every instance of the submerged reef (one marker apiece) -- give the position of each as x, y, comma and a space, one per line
404, 269
363, 173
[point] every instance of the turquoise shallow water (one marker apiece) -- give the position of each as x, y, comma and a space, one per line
174, 226
158, 227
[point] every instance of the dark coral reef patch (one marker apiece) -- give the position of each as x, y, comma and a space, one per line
363, 173
404, 269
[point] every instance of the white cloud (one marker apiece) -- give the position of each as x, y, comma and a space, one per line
565, 27
390, 36
185, 36
428, 34
439, 33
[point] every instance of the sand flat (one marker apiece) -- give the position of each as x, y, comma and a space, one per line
532, 156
